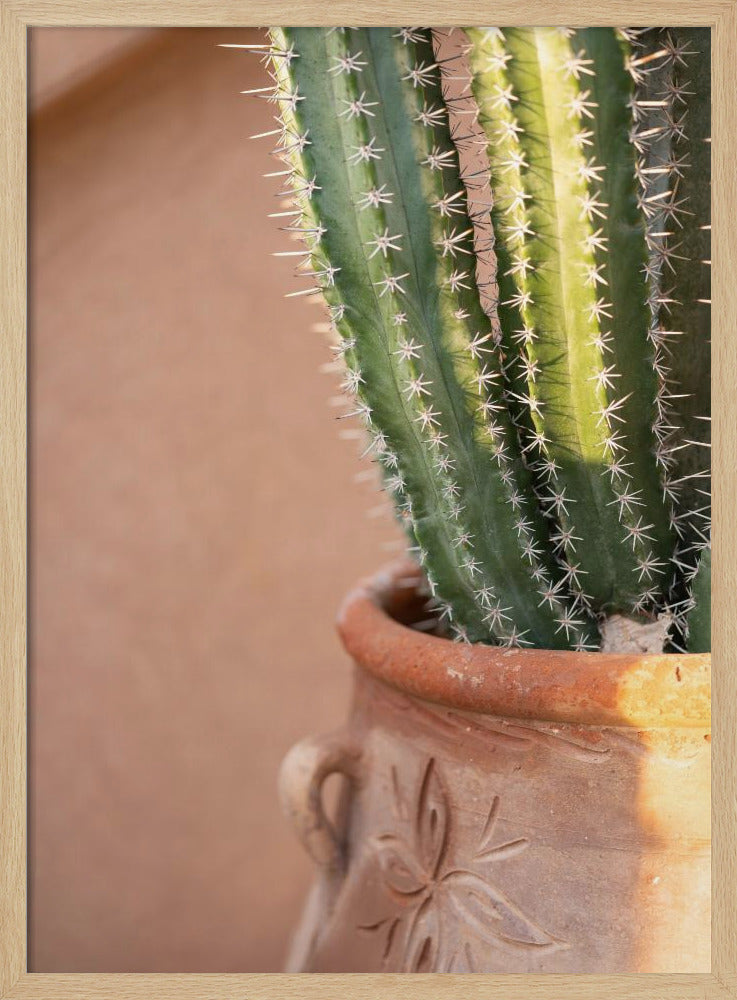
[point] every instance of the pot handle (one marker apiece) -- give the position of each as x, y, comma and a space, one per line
301, 777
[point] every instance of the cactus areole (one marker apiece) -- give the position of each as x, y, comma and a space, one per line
510, 228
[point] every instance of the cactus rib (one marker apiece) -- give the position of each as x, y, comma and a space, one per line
396, 231
554, 106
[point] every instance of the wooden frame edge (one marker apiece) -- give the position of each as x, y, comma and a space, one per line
724, 365
13, 501
378, 986
204, 13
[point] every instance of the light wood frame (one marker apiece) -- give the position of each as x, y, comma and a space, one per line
16, 16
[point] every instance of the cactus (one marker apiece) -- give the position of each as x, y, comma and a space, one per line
547, 470
699, 615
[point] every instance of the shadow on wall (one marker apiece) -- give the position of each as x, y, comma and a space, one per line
194, 521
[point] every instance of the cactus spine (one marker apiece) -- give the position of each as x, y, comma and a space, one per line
529, 451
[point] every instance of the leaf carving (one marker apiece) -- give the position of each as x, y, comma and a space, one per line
507, 850
490, 823
399, 867
422, 951
432, 820
488, 853
461, 960
494, 917
444, 908
400, 806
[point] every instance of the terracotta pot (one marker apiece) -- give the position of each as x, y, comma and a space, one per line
505, 810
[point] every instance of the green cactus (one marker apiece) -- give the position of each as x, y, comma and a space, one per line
533, 442
699, 615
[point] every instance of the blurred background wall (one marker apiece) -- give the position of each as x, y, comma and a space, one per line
194, 519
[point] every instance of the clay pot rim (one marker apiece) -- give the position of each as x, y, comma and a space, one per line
587, 689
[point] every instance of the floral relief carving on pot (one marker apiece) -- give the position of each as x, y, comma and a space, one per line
446, 907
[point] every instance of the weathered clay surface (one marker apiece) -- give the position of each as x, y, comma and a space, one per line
492, 841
